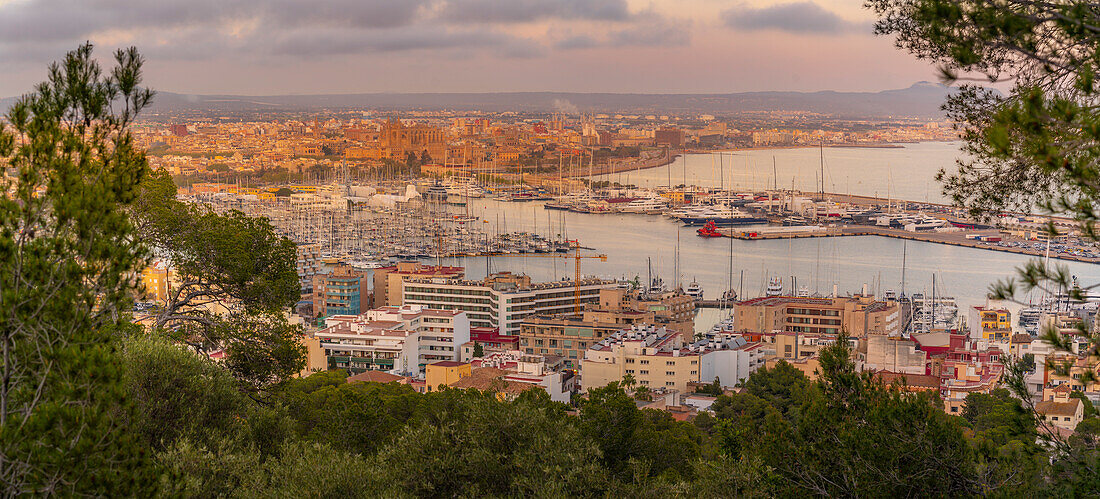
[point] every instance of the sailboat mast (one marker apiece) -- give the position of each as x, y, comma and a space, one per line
821, 150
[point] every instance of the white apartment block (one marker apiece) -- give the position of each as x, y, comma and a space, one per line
401, 340
502, 306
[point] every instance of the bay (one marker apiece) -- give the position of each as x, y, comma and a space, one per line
640, 245
907, 172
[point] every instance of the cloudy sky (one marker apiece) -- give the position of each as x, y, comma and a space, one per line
334, 46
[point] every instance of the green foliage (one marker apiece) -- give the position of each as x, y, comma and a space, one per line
261, 349
479, 351
67, 253
490, 448
229, 261
356, 417
1035, 148
628, 436
713, 389
179, 394
298, 469
845, 434
782, 387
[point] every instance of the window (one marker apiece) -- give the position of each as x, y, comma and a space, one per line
694, 362
955, 409
630, 371
670, 362
645, 361
670, 383
629, 361
670, 373
645, 371
694, 372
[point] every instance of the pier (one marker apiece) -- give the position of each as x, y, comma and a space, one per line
957, 238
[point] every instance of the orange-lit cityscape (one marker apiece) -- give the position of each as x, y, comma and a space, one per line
549, 248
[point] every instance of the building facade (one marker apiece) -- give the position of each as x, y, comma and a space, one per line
343, 291
503, 300
858, 315
401, 340
388, 281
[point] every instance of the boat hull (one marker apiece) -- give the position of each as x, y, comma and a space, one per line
723, 222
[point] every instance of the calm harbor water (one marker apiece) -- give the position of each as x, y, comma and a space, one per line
906, 172
630, 241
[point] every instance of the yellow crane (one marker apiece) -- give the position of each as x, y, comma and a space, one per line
576, 256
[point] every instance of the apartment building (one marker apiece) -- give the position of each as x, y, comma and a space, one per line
503, 300
340, 292
156, 281
401, 340
990, 323
858, 315
893, 354
653, 357
308, 264
388, 281
672, 310
566, 337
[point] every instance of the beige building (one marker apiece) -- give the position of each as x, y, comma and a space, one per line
504, 300
388, 281
654, 357
565, 337
859, 315
1062, 414
674, 311
893, 354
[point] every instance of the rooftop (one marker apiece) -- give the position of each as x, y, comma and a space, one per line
376, 377
1058, 408
447, 363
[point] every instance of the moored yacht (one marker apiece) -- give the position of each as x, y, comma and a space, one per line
646, 205
694, 290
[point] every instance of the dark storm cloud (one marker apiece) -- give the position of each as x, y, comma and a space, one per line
45, 20
33, 31
797, 17
515, 11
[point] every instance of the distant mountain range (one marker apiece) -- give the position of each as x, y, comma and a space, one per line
921, 100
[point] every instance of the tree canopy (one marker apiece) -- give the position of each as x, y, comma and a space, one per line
68, 253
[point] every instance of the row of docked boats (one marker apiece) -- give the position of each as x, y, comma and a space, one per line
720, 212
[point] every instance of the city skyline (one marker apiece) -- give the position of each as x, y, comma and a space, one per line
698, 46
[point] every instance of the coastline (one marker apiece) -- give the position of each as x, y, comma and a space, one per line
670, 157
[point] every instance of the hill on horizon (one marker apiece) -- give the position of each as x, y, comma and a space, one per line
921, 100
